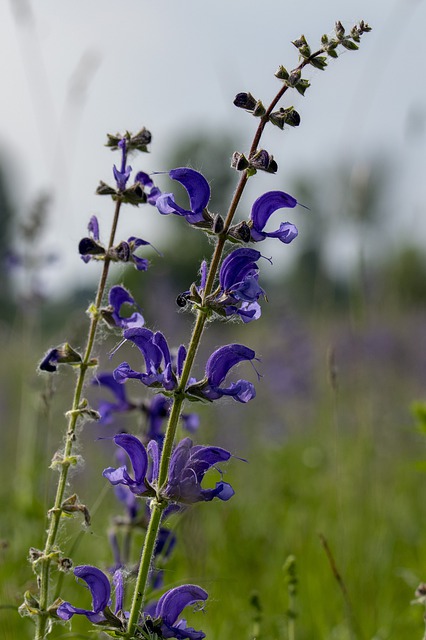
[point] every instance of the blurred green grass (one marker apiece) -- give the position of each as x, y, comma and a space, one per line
342, 462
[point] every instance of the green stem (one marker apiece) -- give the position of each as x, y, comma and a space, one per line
56, 511
144, 567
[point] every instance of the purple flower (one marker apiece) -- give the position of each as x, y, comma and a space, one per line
169, 608
121, 176
217, 368
90, 246
261, 211
188, 466
139, 461
238, 279
100, 589
158, 362
117, 297
198, 190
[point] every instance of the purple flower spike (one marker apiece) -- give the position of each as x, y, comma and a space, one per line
139, 460
170, 606
261, 211
217, 368
198, 190
100, 590
188, 466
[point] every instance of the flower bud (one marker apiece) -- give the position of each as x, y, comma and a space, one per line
120, 253
263, 161
239, 161
300, 42
319, 62
294, 77
339, 30
302, 85
240, 232
218, 224
245, 101
104, 189
88, 247
259, 109
281, 73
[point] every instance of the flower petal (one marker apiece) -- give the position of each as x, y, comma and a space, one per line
223, 359
266, 204
173, 602
98, 584
196, 185
136, 452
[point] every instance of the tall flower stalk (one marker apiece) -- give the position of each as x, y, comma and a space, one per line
169, 475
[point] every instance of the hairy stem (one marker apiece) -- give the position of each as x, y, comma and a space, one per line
49, 551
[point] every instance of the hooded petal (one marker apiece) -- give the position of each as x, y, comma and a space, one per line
196, 185
173, 602
223, 359
144, 340
100, 590
266, 204
236, 266
118, 296
138, 457
198, 190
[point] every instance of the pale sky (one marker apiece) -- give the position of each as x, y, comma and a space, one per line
73, 70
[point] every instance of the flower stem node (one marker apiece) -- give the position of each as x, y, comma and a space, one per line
84, 409
73, 505
59, 461
30, 606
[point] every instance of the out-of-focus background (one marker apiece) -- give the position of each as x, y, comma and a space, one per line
331, 442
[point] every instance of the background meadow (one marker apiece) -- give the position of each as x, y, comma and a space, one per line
333, 454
